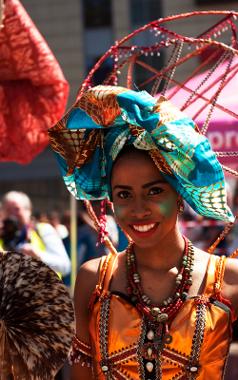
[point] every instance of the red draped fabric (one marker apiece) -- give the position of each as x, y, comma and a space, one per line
33, 90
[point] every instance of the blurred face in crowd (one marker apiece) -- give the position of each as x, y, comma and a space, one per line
18, 208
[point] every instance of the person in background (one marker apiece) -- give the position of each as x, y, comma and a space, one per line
88, 246
54, 219
87, 239
40, 240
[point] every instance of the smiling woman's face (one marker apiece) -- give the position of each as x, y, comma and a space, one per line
145, 205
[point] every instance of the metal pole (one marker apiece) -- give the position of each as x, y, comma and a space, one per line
73, 241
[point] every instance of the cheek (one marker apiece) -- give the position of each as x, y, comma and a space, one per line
119, 212
167, 207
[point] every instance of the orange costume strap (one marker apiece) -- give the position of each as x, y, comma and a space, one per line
219, 277
81, 352
106, 268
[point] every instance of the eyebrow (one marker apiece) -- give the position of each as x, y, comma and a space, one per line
145, 186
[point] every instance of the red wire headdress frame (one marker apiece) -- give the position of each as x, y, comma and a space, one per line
195, 72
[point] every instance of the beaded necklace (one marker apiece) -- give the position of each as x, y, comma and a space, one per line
158, 316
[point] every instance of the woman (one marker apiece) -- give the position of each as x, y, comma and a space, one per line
162, 309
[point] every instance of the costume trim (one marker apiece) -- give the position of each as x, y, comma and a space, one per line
198, 337
219, 276
80, 353
110, 364
103, 334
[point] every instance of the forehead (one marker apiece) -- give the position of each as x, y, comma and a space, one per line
136, 165
16, 203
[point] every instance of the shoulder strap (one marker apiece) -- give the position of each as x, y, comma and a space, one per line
219, 275
106, 267
104, 262
214, 283
210, 276
106, 271
220, 270
215, 275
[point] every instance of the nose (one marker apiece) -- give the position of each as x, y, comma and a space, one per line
140, 208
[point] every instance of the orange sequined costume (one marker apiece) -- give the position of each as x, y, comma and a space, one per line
201, 334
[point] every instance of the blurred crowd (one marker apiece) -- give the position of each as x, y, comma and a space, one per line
46, 236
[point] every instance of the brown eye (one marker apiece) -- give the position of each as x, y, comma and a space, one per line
155, 190
123, 194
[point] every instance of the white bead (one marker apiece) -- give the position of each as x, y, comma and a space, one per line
193, 369
150, 335
104, 368
149, 366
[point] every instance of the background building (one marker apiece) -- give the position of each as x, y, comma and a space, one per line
79, 32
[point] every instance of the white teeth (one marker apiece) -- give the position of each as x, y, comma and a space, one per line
144, 228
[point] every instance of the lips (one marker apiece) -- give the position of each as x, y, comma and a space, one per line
144, 229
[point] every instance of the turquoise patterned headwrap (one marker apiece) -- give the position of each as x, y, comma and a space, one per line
107, 118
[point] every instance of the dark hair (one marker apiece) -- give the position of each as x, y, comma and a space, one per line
128, 150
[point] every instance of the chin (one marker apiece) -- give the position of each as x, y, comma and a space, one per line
145, 242
152, 241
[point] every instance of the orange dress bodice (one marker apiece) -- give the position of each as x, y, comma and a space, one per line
201, 334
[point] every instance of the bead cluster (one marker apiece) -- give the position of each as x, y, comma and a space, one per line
157, 316
160, 313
